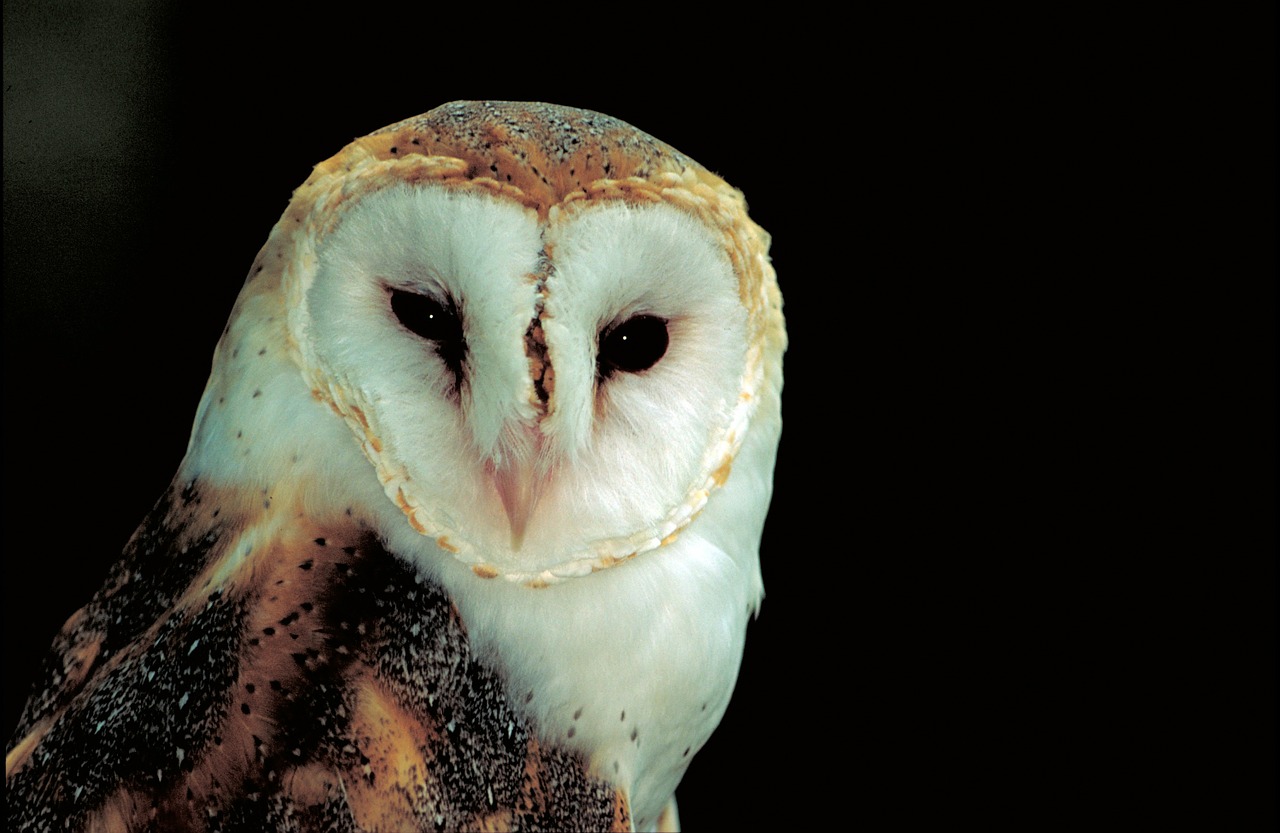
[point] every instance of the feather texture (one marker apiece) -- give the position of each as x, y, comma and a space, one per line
431, 561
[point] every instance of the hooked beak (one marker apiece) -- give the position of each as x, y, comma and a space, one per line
520, 486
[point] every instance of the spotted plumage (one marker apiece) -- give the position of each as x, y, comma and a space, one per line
466, 534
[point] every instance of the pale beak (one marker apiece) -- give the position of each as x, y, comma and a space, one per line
520, 488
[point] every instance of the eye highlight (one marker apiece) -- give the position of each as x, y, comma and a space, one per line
429, 319
634, 345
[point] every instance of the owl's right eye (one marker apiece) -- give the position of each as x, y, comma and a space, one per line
424, 316
427, 318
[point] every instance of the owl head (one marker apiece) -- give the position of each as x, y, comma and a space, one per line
525, 336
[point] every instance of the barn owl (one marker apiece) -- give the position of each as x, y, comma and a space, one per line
466, 534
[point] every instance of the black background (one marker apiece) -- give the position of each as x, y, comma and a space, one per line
992, 569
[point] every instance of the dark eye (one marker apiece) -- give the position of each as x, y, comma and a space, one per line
634, 345
424, 316
427, 318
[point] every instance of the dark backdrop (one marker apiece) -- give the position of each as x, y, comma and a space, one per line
1029, 283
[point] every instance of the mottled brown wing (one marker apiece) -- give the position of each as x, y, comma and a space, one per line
313, 682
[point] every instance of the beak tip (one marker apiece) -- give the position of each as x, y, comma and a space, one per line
519, 492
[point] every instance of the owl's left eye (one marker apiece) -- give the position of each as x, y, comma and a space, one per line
428, 318
632, 346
